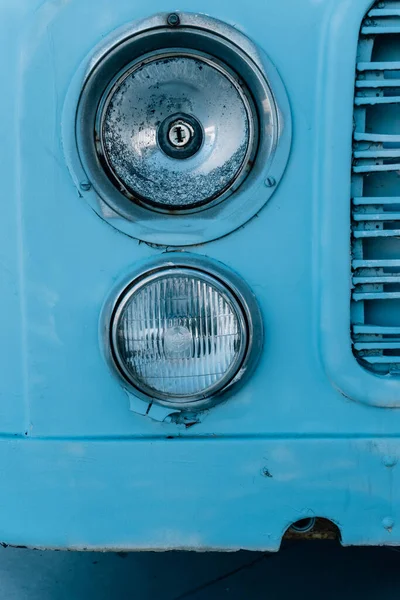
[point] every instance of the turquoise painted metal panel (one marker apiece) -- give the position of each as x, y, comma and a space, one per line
78, 468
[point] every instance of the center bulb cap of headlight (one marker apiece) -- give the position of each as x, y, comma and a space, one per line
180, 136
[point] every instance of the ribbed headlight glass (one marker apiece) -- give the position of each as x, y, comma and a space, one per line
179, 334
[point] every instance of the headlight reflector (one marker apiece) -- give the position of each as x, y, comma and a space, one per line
166, 135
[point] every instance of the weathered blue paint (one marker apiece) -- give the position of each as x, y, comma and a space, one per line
77, 468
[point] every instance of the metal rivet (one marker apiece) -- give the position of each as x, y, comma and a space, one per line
270, 182
85, 186
389, 460
388, 523
173, 20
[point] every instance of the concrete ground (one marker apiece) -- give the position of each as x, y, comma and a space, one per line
302, 570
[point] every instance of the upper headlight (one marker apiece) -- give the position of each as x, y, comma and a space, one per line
180, 334
165, 130
182, 132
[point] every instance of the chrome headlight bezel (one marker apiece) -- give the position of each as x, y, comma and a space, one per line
249, 317
247, 195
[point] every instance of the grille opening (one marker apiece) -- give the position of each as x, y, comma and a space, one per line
388, 209
389, 92
389, 352
375, 316
383, 248
389, 145
390, 225
392, 74
381, 184
388, 287
386, 48
383, 118
375, 306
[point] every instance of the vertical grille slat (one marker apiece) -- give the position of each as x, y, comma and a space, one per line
378, 100
376, 216
376, 200
378, 66
376, 330
375, 211
375, 168
358, 264
376, 137
378, 83
371, 233
377, 153
376, 30
384, 12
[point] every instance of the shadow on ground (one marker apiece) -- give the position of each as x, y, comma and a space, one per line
301, 570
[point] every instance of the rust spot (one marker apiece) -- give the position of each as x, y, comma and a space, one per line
324, 529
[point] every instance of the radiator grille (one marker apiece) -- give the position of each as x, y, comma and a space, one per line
375, 306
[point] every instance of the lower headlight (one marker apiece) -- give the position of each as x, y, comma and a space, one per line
181, 335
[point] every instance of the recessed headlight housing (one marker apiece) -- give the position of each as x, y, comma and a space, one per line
184, 331
182, 132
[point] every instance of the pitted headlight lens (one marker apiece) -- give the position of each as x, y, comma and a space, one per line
179, 335
166, 135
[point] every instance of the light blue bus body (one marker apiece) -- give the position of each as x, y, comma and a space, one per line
311, 433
